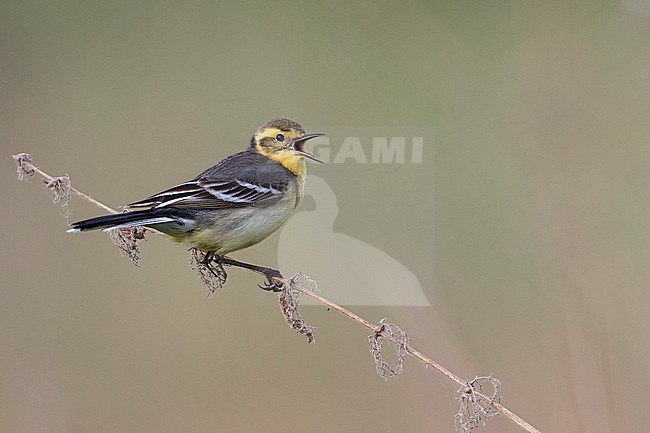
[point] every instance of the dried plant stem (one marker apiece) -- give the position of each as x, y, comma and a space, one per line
418, 355
27, 168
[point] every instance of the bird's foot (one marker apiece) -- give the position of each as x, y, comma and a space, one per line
210, 269
215, 267
272, 283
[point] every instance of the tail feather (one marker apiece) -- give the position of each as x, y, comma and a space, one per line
131, 219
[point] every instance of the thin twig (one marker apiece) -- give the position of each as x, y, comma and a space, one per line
419, 356
27, 168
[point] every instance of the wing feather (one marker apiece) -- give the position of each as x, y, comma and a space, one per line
243, 179
200, 194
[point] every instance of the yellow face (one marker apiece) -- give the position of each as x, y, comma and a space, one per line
282, 140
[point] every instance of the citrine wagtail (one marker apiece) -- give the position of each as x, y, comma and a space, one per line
231, 206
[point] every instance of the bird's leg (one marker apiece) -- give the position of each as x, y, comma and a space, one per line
213, 264
272, 275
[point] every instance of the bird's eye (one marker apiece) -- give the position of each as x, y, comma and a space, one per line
280, 137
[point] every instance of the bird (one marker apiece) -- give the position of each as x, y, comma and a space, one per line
232, 205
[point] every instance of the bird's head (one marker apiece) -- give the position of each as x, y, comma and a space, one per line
283, 141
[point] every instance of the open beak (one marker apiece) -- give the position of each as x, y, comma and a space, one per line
299, 146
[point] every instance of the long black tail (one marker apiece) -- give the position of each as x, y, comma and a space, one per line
131, 219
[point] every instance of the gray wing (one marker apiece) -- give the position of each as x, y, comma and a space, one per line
246, 180
201, 194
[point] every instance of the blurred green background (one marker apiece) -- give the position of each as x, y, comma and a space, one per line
526, 224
